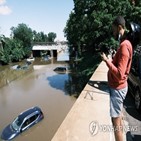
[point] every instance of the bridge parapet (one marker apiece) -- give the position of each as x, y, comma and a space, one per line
49, 47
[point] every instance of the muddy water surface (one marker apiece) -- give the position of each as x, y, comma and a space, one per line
44, 88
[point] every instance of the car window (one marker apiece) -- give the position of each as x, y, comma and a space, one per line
33, 118
26, 123
17, 123
29, 121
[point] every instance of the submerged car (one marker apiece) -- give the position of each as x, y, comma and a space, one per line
134, 80
60, 69
24, 121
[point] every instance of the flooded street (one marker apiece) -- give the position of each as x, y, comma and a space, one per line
44, 88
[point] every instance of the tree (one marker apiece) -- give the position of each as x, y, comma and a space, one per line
90, 21
12, 51
5, 56
17, 53
23, 33
39, 37
51, 36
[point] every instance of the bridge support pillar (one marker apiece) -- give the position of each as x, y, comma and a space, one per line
51, 53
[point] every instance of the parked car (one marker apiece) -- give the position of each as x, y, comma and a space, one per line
134, 80
24, 121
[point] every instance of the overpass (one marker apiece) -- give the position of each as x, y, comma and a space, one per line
59, 50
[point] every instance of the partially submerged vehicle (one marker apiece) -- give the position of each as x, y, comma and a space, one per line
62, 69
22, 122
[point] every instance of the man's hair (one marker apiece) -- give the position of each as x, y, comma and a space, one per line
119, 21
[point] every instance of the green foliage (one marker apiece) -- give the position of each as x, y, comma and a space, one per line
51, 36
23, 33
109, 44
90, 21
5, 58
13, 51
83, 70
17, 52
39, 37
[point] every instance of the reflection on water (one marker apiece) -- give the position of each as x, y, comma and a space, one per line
42, 87
58, 79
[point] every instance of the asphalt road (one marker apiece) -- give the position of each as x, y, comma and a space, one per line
133, 119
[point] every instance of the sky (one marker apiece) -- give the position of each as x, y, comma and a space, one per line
39, 15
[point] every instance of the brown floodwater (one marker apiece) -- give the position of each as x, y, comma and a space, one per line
41, 87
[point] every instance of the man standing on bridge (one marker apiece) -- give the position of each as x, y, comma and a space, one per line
118, 72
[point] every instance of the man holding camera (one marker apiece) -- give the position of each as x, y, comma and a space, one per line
119, 68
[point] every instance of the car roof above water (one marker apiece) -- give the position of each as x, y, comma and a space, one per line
60, 68
28, 112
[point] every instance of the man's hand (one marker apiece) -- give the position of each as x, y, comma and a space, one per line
104, 57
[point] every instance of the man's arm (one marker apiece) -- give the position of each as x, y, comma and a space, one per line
119, 70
